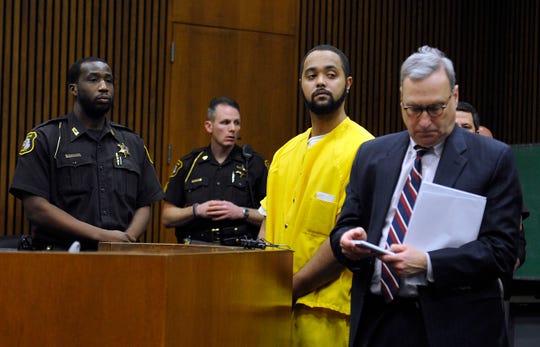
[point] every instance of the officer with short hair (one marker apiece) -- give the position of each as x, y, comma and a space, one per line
213, 192
82, 177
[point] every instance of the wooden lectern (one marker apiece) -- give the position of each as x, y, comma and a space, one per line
146, 295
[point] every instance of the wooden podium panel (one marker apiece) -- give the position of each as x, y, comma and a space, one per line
146, 296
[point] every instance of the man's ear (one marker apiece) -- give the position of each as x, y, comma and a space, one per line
73, 89
208, 126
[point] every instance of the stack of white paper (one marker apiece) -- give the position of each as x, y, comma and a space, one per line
444, 217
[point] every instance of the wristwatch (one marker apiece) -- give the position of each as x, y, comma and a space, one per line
246, 213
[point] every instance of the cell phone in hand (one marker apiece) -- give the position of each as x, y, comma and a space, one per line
378, 250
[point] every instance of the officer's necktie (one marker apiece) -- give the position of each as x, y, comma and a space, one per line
398, 227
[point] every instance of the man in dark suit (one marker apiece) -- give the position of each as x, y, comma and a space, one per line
445, 297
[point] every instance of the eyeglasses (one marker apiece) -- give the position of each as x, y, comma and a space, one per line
433, 111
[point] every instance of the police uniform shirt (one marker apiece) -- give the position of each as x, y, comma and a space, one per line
99, 177
198, 177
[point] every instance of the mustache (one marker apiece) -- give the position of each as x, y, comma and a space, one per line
104, 96
320, 91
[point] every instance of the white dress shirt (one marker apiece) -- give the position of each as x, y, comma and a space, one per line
430, 161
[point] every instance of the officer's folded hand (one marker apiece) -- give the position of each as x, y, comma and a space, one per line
115, 236
223, 209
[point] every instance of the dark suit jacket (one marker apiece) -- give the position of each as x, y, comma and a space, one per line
462, 307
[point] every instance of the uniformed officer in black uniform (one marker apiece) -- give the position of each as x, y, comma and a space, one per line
80, 176
214, 192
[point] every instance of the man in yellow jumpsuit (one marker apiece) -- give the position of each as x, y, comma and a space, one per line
305, 192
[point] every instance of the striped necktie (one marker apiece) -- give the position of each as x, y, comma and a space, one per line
398, 227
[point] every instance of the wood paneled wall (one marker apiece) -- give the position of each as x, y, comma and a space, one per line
244, 49
39, 40
495, 47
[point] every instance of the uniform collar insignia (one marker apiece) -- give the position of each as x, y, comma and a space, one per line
123, 149
75, 131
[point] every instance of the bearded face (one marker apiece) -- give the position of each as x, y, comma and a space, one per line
95, 106
327, 106
323, 82
95, 89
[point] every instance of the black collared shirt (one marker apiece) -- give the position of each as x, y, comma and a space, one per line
100, 178
198, 177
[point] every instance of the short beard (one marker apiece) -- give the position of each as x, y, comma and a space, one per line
327, 108
93, 110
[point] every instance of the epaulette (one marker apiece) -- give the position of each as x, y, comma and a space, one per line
193, 154
122, 127
51, 121
198, 150
258, 155
263, 159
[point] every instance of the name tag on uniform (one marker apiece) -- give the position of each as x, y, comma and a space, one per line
73, 155
325, 197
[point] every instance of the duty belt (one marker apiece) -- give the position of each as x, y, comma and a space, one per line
225, 235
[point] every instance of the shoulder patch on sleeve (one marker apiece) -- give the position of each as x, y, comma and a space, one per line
28, 143
176, 168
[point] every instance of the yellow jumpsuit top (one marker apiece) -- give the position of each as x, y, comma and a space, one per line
305, 193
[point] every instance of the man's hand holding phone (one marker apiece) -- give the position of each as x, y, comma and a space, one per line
374, 248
